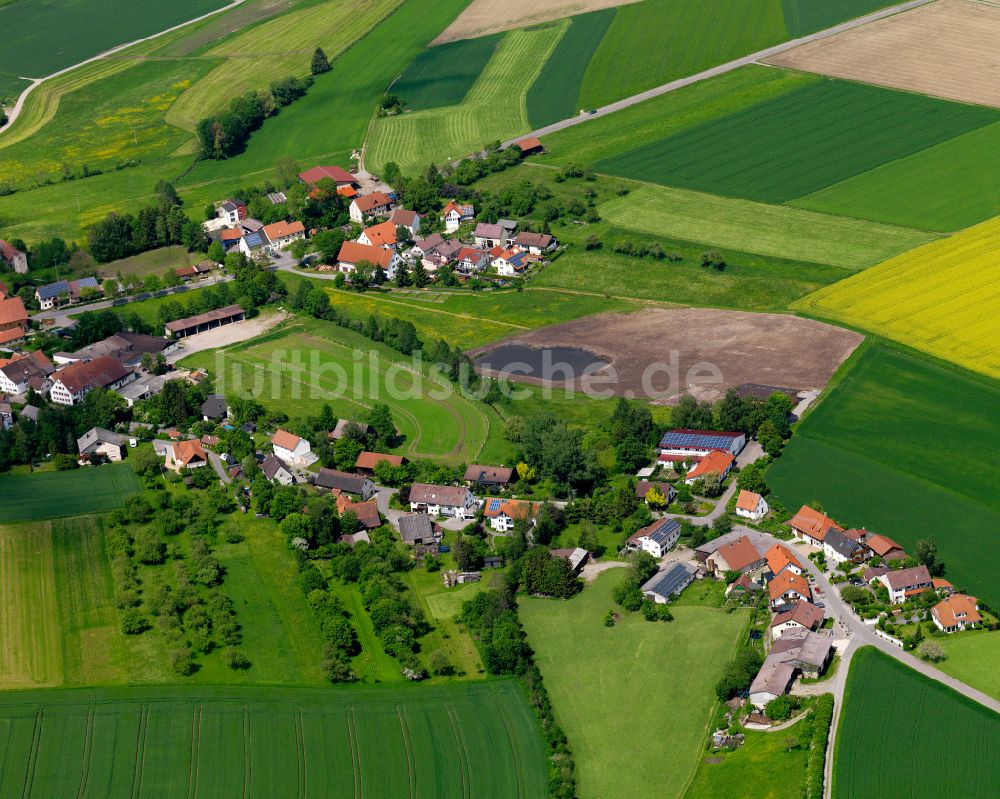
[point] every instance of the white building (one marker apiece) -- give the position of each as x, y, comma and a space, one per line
665, 585
751, 506
72, 383
281, 234
454, 214
457, 501
276, 471
657, 539
292, 449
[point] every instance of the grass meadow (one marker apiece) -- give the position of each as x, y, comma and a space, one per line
803, 17
799, 142
972, 657
903, 446
885, 699
49, 495
444, 74
942, 298
472, 739
596, 677
153, 262
656, 41
493, 108
555, 94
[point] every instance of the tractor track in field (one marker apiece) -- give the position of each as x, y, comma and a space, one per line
463, 751
247, 756
36, 743
408, 746
514, 754
352, 734
140, 750
88, 749
193, 765
300, 744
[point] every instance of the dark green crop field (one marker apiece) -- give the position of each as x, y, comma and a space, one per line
807, 16
903, 734
52, 495
799, 142
905, 447
474, 739
443, 75
555, 93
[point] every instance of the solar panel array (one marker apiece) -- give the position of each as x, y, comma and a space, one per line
494, 505
662, 532
706, 440
670, 581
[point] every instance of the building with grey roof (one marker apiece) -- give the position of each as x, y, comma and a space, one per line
418, 528
665, 585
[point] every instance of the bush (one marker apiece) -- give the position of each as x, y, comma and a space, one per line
780, 708
182, 661
133, 622
931, 651
441, 664
235, 659
65, 463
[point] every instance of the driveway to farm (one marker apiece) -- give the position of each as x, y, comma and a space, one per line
15, 112
760, 55
220, 467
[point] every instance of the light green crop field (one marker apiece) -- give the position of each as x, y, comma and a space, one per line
471, 739
863, 454
884, 699
947, 187
759, 228
29, 497
972, 657
494, 108
305, 366
595, 675
656, 41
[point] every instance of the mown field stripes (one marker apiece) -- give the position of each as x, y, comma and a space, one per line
444, 74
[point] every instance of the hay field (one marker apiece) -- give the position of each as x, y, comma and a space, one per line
481, 16
475, 739
942, 298
494, 108
946, 49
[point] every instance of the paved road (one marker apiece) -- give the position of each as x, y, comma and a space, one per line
219, 466
15, 112
760, 55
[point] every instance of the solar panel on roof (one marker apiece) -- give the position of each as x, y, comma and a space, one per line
706, 440
494, 504
670, 581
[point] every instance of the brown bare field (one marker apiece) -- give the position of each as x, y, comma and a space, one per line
661, 353
945, 49
482, 17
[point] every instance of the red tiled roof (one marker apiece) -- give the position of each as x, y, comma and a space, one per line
957, 609
805, 613
748, 500
716, 461
12, 312
812, 522
231, 234
882, 545
187, 451
336, 173
367, 202
788, 581
369, 460
382, 233
351, 252
279, 230
739, 553
97, 373
285, 440
529, 143
15, 333
778, 557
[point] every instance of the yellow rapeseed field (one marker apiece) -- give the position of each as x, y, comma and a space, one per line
942, 298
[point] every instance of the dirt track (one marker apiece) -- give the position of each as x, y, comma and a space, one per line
945, 49
662, 353
482, 17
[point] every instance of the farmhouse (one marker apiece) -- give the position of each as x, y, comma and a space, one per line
275, 470
50, 295
503, 513
657, 538
400, 217
340, 176
699, 443
418, 529
906, 583
367, 461
535, 243
810, 526
71, 383
643, 487
199, 323
232, 212
715, 463
375, 204
346, 483
125, 347
801, 616
751, 506
13, 258
292, 449
739, 555
281, 234
779, 559
353, 253
839, 548
788, 588
665, 585
885, 548
437, 500
488, 476
26, 371
798, 651
454, 214
955, 613
98, 441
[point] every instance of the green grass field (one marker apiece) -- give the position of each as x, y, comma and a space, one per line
758, 228
626, 738
655, 41
873, 453
972, 658
474, 739
800, 142
806, 16
322, 363
910, 191
31, 497
762, 768
494, 108
153, 262
444, 74
885, 700
42, 37
556, 91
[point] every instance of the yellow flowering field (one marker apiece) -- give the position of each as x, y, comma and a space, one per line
942, 298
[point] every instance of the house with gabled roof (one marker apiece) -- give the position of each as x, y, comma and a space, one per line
352, 253
281, 234
715, 463
801, 615
535, 243
13, 320
276, 470
657, 538
788, 588
52, 295
366, 512
22, 372
530, 145
957, 612
185, 455
470, 260
509, 263
13, 258
367, 461
338, 482
839, 548
502, 233
489, 476
739, 555
381, 235
375, 204
292, 449
232, 212
743, 585
810, 525
885, 548
643, 487
904, 584
436, 500
687, 442
339, 175
454, 214
751, 505
72, 383
779, 558
401, 217
98, 441
504, 513
419, 529
796, 652
670, 582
